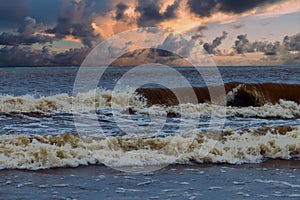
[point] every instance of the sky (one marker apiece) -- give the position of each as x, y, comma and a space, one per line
233, 32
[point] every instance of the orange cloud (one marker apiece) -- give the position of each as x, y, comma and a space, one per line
186, 21
106, 25
70, 38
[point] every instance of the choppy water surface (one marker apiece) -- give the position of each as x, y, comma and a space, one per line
38, 132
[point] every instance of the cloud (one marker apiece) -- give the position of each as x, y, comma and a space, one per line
121, 8
150, 14
28, 26
202, 8
289, 43
281, 8
28, 56
241, 43
237, 26
210, 47
26, 34
90, 22
199, 34
19, 39
23, 56
247, 53
286, 52
292, 43
205, 8
73, 57
74, 23
233, 6
177, 44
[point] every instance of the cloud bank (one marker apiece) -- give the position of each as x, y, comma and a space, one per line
28, 28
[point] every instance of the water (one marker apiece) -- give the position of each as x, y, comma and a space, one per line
48, 81
36, 106
36, 82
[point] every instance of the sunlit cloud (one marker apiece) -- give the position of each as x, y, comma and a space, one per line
85, 23
276, 10
71, 38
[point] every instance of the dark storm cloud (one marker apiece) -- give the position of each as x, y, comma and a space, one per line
240, 44
149, 11
73, 18
66, 17
292, 43
72, 57
243, 45
268, 48
27, 56
287, 52
271, 48
121, 7
171, 10
23, 56
289, 43
205, 8
150, 15
74, 23
28, 26
202, 8
12, 39
25, 34
237, 6
78, 29
210, 47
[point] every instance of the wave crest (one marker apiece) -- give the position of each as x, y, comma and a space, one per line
85, 102
67, 150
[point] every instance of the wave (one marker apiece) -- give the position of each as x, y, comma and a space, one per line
238, 94
244, 94
67, 150
84, 102
281, 110
98, 99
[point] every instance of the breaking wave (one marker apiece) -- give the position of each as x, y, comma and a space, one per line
281, 110
85, 102
238, 94
244, 95
67, 150
269, 100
